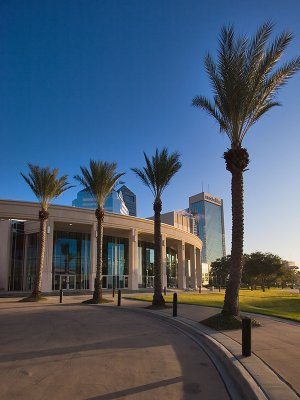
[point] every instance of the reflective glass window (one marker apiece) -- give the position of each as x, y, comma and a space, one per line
71, 257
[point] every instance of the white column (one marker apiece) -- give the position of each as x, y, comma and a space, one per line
47, 273
181, 266
93, 255
198, 268
193, 267
133, 260
5, 256
164, 261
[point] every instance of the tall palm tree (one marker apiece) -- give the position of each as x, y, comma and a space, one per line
46, 186
157, 175
99, 181
245, 80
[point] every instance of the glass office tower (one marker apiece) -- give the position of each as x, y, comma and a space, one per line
113, 203
129, 198
209, 217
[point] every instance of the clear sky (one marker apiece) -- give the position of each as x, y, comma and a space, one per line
107, 80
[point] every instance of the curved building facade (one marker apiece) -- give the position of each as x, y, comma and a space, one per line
70, 260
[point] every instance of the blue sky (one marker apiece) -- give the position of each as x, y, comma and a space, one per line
110, 79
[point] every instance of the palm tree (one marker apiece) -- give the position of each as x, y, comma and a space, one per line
244, 83
157, 175
46, 186
99, 181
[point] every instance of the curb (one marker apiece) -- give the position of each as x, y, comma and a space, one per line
245, 378
263, 382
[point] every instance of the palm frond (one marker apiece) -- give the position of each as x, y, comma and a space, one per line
257, 47
245, 79
159, 170
45, 184
99, 179
206, 105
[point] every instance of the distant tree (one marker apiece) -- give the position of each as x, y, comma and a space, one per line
157, 174
219, 270
288, 276
250, 273
99, 180
46, 186
262, 268
244, 83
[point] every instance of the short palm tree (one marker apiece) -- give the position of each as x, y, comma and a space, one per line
99, 181
157, 175
46, 186
245, 80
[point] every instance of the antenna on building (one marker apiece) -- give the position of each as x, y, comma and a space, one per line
202, 185
208, 188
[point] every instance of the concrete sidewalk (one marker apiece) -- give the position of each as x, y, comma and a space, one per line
89, 352
275, 361
271, 371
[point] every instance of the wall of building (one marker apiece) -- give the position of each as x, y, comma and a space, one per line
176, 242
180, 219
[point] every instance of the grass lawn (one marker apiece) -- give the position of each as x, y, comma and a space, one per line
274, 302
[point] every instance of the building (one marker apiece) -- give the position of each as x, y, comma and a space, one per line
209, 218
187, 222
181, 219
290, 265
70, 259
129, 198
113, 203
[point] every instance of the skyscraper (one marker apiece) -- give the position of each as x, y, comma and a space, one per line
129, 198
113, 203
209, 217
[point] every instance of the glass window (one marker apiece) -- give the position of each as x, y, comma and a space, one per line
17, 254
172, 268
146, 264
71, 257
115, 262
210, 229
31, 260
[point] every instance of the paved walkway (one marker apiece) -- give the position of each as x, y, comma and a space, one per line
275, 361
271, 371
73, 351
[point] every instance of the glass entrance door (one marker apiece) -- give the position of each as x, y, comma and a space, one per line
67, 282
115, 277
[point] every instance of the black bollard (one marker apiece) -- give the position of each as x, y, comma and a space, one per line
175, 305
165, 290
119, 297
61, 295
219, 288
246, 337
113, 292
200, 289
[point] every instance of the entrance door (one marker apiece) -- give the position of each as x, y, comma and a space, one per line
116, 278
67, 282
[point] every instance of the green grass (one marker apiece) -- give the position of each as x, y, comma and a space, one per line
273, 302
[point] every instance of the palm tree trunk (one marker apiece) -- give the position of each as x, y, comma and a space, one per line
43, 216
231, 302
98, 293
158, 299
